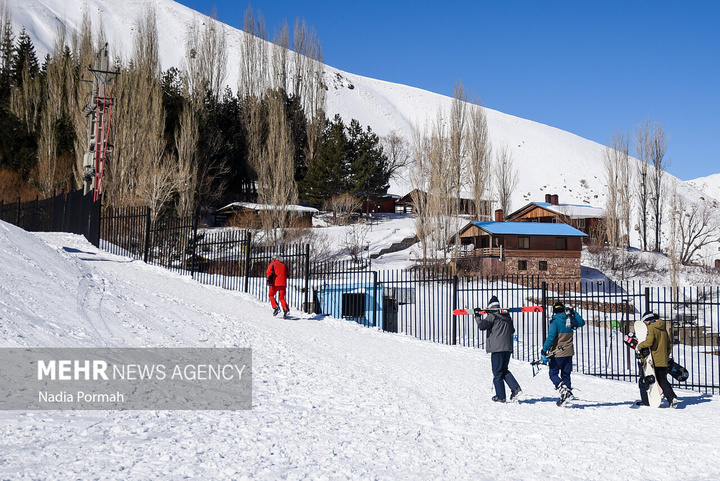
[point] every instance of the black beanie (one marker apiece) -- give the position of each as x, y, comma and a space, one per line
494, 303
558, 307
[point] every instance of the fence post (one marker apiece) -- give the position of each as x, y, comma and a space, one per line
194, 247
17, 222
306, 300
543, 300
455, 298
248, 243
147, 236
647, 299
375, 299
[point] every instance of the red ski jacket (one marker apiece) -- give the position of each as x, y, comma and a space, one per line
277, 274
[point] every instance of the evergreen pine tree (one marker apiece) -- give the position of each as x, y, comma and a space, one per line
368, 164
24, 57
327, 171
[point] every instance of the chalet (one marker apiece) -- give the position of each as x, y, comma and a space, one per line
373, 204
250, 214
585, 218
548, 251
467, 204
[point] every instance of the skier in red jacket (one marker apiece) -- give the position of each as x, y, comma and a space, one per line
277, 280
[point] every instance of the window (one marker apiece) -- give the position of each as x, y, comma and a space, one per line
522, 265
561, 243
523, 242
542, 265
581, 223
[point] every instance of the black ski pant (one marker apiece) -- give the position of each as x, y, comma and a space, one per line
501, 374
661, 378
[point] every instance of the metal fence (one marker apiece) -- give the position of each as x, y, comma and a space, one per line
416, 302
72, 212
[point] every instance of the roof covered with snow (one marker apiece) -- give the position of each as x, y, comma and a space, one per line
259, 207
574, 211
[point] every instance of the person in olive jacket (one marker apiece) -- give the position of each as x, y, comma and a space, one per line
658, 342
499, 343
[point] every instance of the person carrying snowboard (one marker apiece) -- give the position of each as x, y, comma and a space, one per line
277, 280
658, 342
560, 336
499, 343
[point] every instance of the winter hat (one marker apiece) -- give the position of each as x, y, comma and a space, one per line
558, 307
649, 316
494, 303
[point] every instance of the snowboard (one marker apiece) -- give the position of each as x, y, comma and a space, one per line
647, 369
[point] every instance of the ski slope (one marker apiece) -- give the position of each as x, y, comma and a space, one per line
331, 399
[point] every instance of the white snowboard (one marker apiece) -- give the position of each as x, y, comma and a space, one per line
654, 392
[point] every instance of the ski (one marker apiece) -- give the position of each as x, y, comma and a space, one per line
538, 362
465, 312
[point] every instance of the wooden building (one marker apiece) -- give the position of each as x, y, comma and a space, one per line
585, 218
548, 251
247, 214
406, 204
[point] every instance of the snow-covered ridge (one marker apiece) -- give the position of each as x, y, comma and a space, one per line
549, 160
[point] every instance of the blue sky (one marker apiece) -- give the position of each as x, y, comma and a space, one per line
588, 67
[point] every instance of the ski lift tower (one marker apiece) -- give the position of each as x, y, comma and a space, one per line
99, 112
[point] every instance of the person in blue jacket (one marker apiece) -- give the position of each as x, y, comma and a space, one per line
499, 343
560, 336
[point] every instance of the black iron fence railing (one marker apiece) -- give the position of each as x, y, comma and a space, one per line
417, 302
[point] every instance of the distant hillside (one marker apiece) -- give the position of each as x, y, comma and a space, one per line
709, 185
548, 160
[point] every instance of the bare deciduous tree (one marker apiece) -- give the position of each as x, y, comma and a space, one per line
186, 178
58, 73
276, 171
697, 226
617, 208
138, 172
307, 80
397, 150
479, 158
658, 146
642, 152
80, 92
254, 59
342, 206
205, 60
506, 179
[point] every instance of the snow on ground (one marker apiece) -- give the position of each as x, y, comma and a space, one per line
331, 399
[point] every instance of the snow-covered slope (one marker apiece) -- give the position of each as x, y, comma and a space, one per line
709, 185
331, 399
548, 160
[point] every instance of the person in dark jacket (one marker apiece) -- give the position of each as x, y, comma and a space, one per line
560, 336
499, 343
658, 342
277, 280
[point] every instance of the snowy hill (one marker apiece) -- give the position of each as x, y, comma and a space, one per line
709, 185
549, 160
331, 399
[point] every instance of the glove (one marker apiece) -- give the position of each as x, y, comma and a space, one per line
638, 355
269, 281
478, 311
543, 356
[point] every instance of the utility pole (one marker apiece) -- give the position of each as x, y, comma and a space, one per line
99, 112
